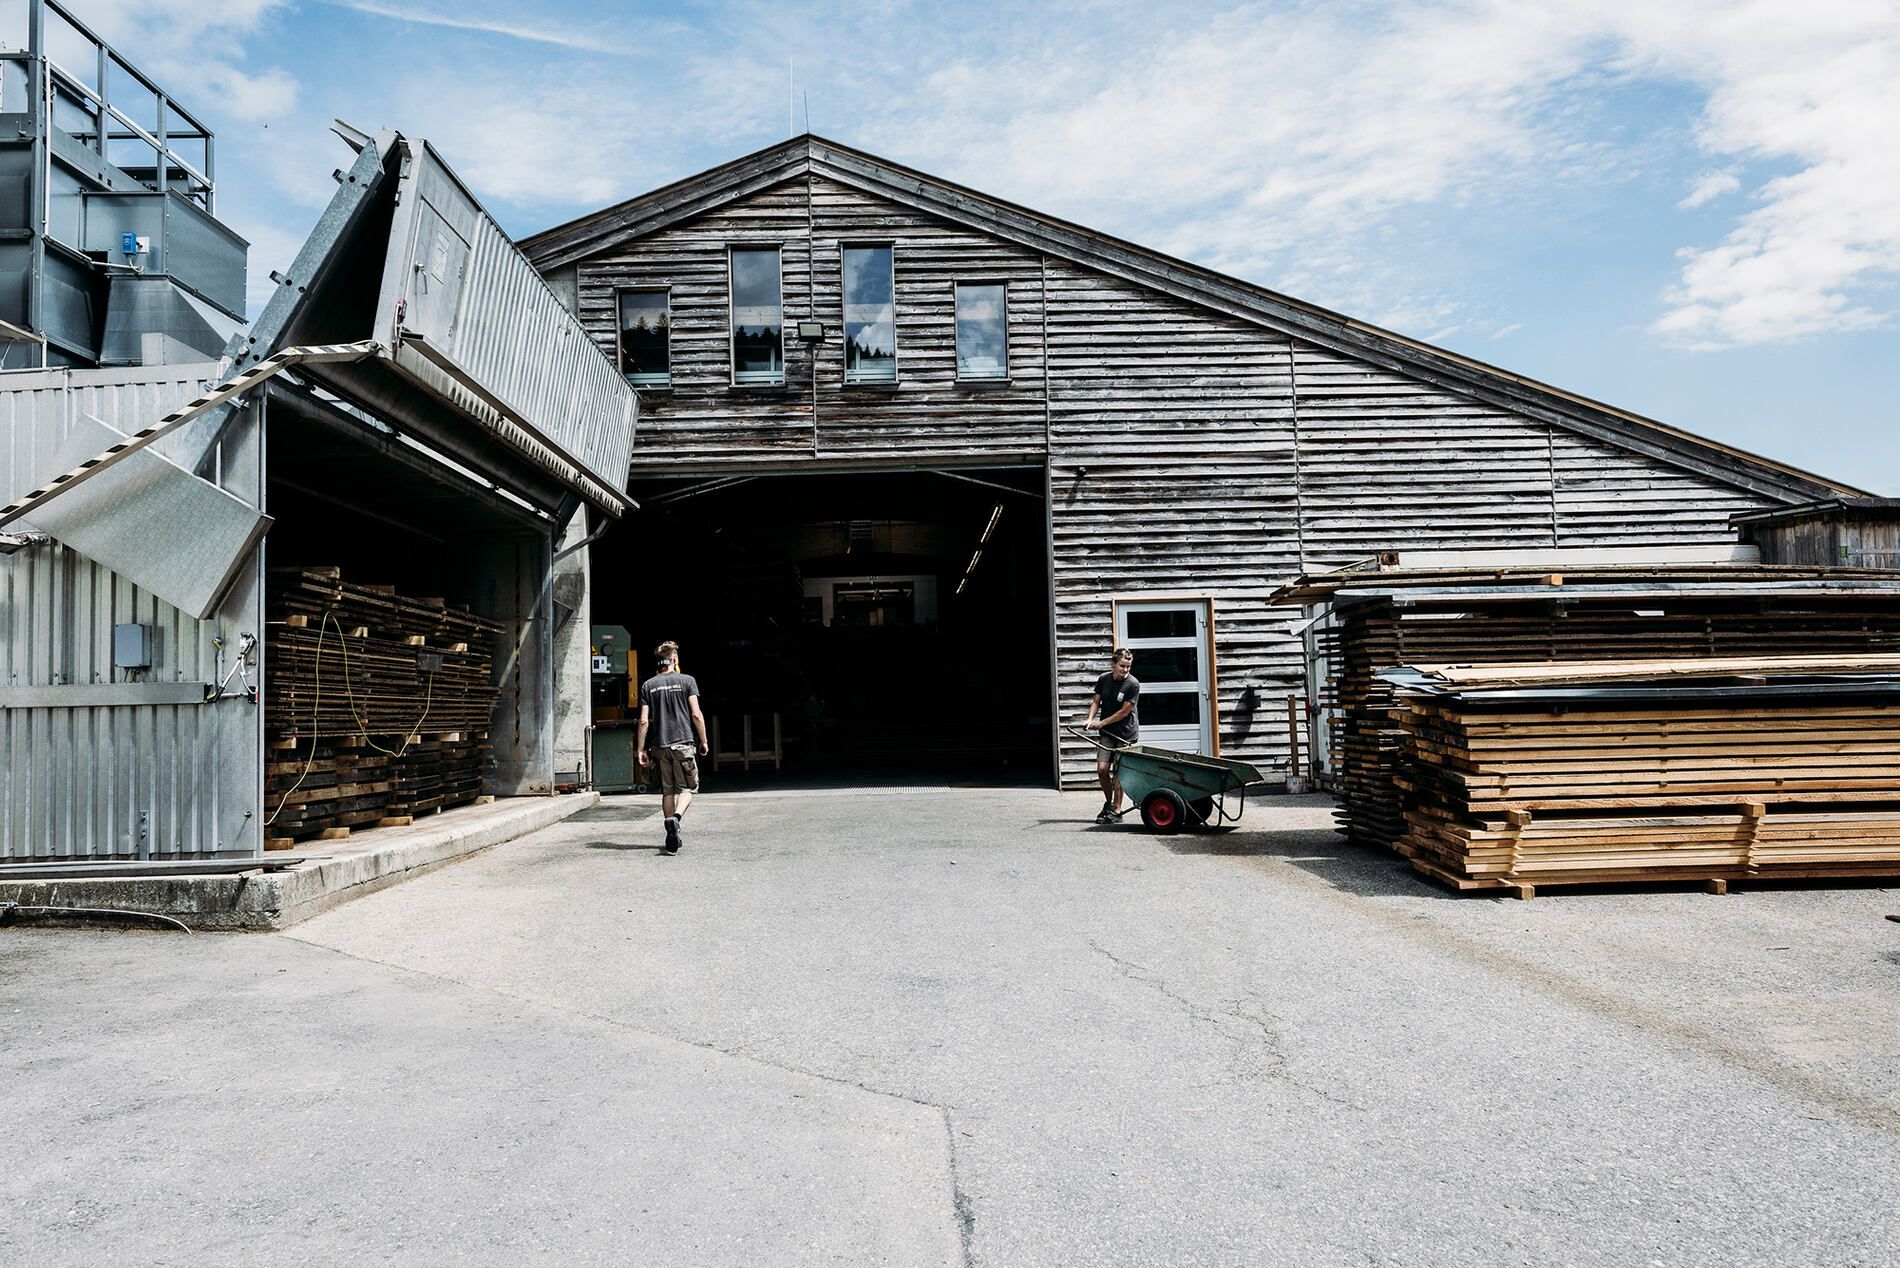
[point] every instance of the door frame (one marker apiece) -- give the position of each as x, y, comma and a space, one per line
1115, 603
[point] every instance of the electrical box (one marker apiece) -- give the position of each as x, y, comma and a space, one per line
132, 646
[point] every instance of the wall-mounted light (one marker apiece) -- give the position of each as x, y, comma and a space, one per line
811, 331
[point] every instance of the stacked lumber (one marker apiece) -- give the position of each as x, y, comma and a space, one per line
1605, 614
335, 787
1709, 770
377, 705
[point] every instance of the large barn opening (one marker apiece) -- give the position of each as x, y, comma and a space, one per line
866, 626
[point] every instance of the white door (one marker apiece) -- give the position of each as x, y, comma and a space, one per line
1170, 641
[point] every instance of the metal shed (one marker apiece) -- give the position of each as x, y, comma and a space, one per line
412, 395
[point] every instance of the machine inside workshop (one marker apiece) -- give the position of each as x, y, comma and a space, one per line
616, 709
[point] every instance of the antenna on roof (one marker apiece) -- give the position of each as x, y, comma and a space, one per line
807, 97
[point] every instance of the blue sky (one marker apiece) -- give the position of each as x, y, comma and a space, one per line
1689, 209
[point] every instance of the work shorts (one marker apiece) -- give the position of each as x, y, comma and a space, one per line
675, 770
1109, 741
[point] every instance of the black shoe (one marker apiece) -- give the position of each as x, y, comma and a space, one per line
1107, 816
673, 841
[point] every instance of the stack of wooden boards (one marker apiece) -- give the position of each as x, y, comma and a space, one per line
1602, 772
1374, 621
377, 705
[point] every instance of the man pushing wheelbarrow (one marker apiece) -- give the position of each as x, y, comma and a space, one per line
1173, 790
1112, 712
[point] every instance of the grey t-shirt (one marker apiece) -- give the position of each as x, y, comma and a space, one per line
665, 697
1113, 696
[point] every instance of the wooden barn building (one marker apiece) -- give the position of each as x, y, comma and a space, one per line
911, 459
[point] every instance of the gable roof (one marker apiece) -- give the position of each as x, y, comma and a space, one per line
591, 234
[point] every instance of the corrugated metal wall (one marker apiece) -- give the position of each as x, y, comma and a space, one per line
87, 781
499, 322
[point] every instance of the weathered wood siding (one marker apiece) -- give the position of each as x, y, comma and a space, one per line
1606, 496
703, 421
1387, 463
1191, 453
1172, 473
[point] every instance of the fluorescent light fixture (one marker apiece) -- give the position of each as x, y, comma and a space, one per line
989, 528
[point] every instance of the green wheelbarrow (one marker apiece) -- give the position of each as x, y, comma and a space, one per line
1174, 790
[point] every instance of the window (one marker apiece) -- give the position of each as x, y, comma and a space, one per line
870, 316
982, 331
645, 334
758, 317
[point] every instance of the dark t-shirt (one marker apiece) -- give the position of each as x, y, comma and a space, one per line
669, 716
1113, 696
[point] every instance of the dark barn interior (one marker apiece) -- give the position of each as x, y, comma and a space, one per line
344, 493
890, 625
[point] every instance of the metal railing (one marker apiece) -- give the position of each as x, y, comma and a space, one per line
61, 85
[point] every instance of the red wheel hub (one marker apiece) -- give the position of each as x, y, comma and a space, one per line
1163, 812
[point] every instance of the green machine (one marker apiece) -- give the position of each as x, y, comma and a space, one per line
616, 709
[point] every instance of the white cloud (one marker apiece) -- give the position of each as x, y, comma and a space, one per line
531, 146
539, 33
1270, 142
196, 48
1710, 187
1275, 141
1817, 86
271, 94
1278, 141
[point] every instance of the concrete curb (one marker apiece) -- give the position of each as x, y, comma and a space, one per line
277, 900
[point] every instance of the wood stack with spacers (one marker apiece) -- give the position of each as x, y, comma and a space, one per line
1371, 621
377, 705
1710, 770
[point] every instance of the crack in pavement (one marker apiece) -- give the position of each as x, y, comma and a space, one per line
1260, 1052
1256, 1043
737, 1052
961, 1205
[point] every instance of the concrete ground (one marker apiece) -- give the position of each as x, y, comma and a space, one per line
956, 1026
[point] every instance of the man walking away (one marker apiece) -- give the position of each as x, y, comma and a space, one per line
669, 711
1112, 712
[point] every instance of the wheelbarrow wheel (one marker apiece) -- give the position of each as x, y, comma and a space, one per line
1201, 813
1164, 811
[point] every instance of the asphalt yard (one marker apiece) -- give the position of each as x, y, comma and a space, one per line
962, 1026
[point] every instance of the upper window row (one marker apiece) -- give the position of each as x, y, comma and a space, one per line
756, 301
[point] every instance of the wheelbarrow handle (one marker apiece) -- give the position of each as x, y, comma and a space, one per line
1077, 731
